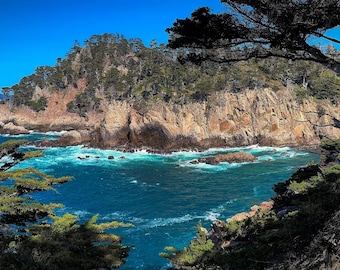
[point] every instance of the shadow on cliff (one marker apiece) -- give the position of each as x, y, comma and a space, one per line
154, 137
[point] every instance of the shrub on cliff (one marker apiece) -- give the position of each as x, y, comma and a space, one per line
38, 105
271, 239
200, 248
10, 146
33, 237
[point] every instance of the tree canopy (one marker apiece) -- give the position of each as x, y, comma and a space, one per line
110, 67
261, 29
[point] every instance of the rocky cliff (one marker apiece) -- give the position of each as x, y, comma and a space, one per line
250, 117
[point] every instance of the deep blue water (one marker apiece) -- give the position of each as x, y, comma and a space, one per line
164, 196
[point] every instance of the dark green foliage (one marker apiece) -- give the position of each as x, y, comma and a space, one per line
16, 209
33, 154
199, 249
114, 68
81, 104
330, 145
33, 237
39, 105
64, 244
11, 146
330, 149
61, 244
23, 92
302, 206
259, 29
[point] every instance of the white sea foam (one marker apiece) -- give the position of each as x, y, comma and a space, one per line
281, 149
214, 213
50, 133
290, 168
263, 154
80, 153
117, 216
161, 222
254, 146
15, 136
6, 159
203, 167
186, 155
265, 158
81, 213
143, 224
212, 216
256, 191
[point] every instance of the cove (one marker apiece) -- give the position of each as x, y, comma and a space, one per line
164, 196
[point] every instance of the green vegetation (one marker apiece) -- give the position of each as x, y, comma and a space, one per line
11, 145
33, 154
33, 237
199, 249
302, 206
259, 29
64, 244
110, 67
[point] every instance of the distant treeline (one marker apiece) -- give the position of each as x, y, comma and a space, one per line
114, 68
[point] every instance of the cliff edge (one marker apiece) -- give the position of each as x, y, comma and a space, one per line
261, 116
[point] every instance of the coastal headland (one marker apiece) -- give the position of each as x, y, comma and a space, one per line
262, 117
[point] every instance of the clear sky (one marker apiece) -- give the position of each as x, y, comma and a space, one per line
36, 32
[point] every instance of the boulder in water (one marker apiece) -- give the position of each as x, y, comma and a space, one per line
236, 157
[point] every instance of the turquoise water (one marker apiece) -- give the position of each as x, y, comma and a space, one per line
164, 196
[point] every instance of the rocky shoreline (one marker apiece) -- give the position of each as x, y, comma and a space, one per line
91, 139
297, 229
86, 137
255, 117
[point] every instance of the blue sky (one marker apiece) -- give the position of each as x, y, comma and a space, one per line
36, 32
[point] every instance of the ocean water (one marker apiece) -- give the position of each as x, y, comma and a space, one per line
164, 196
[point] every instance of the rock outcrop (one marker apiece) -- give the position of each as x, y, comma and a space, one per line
12, 129
253, 117
234, 157
253, 210
250, 117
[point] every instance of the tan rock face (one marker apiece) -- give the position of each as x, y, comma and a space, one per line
266, 206
235, 157
260, 116
12, 129
55, 117
252, 117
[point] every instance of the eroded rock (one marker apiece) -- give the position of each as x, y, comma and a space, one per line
12, 129
237, 157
